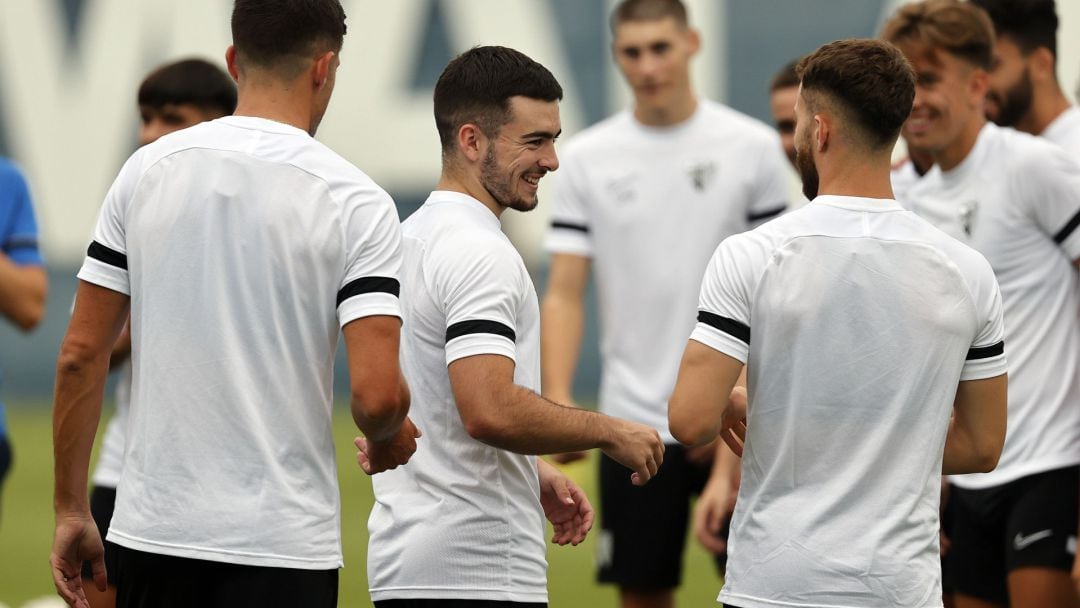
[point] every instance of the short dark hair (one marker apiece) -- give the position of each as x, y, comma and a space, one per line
960, 28
649, 10
787, 77
191, 81
1030, 23
270, 32
870, 80
476, 87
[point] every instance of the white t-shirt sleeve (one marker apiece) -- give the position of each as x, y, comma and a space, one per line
106, 263
479, 285
723, 322
770, 198
1050, 183
986, 357
570, 231
371, 283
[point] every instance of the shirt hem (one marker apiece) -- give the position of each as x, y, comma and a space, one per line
745, 601
452, 593
982, 481
244, 558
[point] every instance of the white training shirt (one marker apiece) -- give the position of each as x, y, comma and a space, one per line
244, 244
461, 520
649, 205
904, 177
857, 320
1016, 199
1065, 131
110, 461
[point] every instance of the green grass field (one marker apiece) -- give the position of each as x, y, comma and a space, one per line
26, 528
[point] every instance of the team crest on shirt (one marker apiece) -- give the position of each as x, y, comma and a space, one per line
701, 174
968, 213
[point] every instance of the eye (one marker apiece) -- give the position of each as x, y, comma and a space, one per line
660, 48
631, 53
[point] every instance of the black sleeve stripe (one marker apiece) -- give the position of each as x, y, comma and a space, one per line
464, 328
726, 325
369, 285
766, 214
985, 352
1069, 228
111, 257
570, 226
20, 243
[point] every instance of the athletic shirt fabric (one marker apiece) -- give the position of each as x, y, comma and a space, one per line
245, 245
649, 205
462, 519
856, 320
110, 461
1065, 131
1016, 200
18, 232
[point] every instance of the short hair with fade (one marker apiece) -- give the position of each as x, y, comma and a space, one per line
476, 87
649, 10
871, 82
959, 28
190, 81
276, 33
1029, 23
787, 77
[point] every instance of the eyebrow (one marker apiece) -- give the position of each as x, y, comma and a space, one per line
542, 134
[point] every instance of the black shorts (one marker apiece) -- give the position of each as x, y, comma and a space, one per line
434, 603
102, 503
150, 580
1030, 522
643, 528
5, 459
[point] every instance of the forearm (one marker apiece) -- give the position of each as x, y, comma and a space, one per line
80, 386
522, 421
562, 326
22, 293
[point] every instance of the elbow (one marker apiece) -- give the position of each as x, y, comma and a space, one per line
75, 356
485, 429
30, 316
688, 431
378, 413
987, 459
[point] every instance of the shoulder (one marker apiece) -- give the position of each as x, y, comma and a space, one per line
599, 138
11, 178
730, 122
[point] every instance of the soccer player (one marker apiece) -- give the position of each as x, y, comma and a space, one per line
1024, 90
464, 522
242, 246
643, 198
783, 91
1016, 199
175, 96
862, 329
23, 282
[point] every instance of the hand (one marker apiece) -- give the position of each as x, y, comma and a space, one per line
636, 447
565, 506
76, 540
713, 508
378, 456
733, 421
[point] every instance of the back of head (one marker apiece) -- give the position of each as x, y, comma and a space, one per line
868, 81
280, 35
787, 77
959, 28
190, 81
476, 88
649, 10
1029, 23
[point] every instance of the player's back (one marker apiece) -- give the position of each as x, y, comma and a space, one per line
862, 316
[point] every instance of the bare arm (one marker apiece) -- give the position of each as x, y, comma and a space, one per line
699, 408
22, 293
562, 323
977, 431
502, 414
80, 385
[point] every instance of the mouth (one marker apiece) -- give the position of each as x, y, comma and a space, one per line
919, 124
532, 179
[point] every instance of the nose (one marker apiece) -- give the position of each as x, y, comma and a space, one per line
920, 96
549, 161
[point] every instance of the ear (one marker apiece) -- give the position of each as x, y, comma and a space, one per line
693, 39
979, 86
822, 132
472, 143
230, 62
1041, 65
320, 72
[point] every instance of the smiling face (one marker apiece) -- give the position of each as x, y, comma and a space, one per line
1011, 90
782, 104
949, 99
522, 153
654, 57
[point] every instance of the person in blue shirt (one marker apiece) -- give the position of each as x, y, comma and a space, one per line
23, 282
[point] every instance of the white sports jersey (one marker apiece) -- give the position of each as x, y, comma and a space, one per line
1016, 199
110, 461
461, 520
649, 205
1065, 131
244, 245
857, 320
903, 178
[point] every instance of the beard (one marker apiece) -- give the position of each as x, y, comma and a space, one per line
500, 186
1015, 103
804, 163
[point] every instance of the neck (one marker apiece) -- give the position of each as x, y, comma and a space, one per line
681, 108
1045, 109
857, 173
955, 153
274, 100
455, 181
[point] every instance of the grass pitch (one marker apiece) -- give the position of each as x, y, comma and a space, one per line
27, 525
